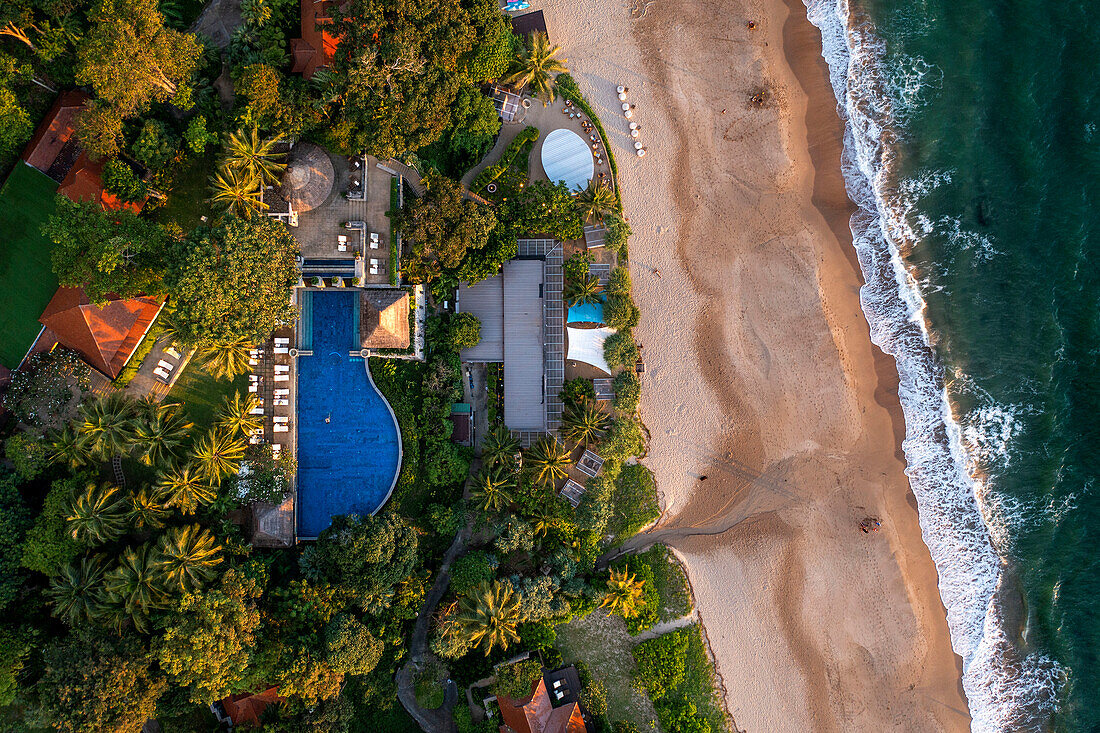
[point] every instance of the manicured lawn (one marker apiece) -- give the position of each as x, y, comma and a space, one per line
200, 394
190, 188
27, 281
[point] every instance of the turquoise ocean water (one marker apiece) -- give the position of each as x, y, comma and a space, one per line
973, 152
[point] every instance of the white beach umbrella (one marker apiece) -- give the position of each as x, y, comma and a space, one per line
628, 114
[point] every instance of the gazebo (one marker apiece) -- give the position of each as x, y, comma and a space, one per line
309, 177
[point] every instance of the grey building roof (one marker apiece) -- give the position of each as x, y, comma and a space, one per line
524, 408
486, 301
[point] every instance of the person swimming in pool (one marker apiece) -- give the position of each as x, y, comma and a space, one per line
328, 418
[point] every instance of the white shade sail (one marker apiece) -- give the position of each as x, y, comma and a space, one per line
586, 344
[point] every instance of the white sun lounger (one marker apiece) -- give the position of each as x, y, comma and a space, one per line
281, 402
282, 341
282, 350
281, 429
281, 368
259, 410
255, 439
252, 388
253, 377
162, 373
167, 365
171, 351
282, 392
282, 377
281, 418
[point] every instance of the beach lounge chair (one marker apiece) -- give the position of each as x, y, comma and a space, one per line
253, 377
281, 418
281, 402
281, 429
282, 377
342, 247
171, 351
258, 410
166, 365
281, 368
252, 387
253, 362
282, 392
342, 239
255, 439
282, 350
162, 373
282, 341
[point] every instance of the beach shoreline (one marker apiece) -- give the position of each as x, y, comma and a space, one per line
760, 371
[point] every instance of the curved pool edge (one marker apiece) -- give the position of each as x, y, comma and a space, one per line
400, 441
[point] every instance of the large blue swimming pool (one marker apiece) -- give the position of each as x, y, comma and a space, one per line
347, 465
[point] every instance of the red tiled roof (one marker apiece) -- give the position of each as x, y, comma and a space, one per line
538, 715
245, 707
316, 48
84, 182
104, 337
56, 129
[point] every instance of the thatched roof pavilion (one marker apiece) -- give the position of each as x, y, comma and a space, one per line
384, 319
309, 177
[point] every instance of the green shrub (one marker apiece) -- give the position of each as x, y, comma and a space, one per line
623, 439
576, 390
576, 267
660, 663
618, 231
538, 635
628, 390
120, 179
465, 331
635, 501
620, 350
515, 680
29, 455
196, 135
471, 569
620, 312
153, 147
513, 156
48, 545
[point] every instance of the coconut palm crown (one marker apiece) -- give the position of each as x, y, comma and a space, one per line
584, 422
548, 459
583, 290
491, 488
226, 359
489, 616
235, 414
218, 454
187, 557
536, 66
624, 593
186, 489
254, 157
596, 201
96, 515
236, 192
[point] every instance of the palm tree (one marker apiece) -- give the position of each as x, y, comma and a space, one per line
624, 592
160, 433
253, 156
549, 459
236, 192
499, 446
584, 422
596, 201
491, 488
98, 515
71, 448
489, 616
543, 520
218, 454
586, 289
235, 415
185, 488
536, 67
77, 591
135, 586
226, 359
147, 509
187, 557
105, 423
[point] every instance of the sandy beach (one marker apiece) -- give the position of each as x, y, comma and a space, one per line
760, 372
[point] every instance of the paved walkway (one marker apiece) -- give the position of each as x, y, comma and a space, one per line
666, 626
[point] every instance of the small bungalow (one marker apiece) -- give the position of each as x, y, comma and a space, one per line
316, 48
245, 709
104, 337
552, 707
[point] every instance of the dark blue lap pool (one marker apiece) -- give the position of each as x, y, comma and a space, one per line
349, 463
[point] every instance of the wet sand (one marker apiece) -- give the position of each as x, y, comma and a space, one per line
760, 371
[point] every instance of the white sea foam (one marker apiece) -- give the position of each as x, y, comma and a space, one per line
1006, 690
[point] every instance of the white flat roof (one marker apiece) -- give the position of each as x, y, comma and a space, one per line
524, 359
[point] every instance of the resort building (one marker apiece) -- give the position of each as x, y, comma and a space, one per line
55, 151
521, 326
316, 48
245, 709
104, 337
552, 707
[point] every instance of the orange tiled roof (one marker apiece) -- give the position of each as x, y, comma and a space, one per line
55, 130
538, 715
84, 182
247, 708
316, 48
104, 337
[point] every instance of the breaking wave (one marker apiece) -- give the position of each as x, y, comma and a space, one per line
1006, 689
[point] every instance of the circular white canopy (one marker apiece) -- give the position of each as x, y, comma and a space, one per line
566, 157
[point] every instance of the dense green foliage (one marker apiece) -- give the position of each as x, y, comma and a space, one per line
439, 228
677, 674
516, 680
119, 178
234, 281
114, 253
